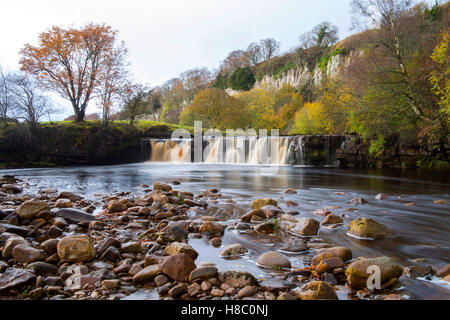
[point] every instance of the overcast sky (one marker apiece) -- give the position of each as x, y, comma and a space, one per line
168, 37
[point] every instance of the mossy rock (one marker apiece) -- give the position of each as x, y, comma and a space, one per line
357, 271
259, 203
369, 229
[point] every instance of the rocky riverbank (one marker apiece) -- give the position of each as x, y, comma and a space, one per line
59, 245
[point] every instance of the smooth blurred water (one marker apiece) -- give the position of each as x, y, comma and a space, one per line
422, 230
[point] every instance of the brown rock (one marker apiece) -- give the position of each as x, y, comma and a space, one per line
212, 228
10, 244
259, 203
246, 292
63, 203
217, 293
69, 195
30, 209
329, 265
116, 206
76, 249
443, 271
301, 226
342, 252
274, 260
233, 250
24, 253
180, 247
178, 290
161, 186
238, 279
357, 273
178, 266
255, 212
332, 219
272, 211
147, 274
15, 279
317, 290
131, 247
368, 229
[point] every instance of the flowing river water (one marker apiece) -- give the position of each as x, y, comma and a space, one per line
421, 227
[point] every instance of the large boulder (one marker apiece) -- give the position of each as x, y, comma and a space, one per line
274, 260
368, 229
76, 249
317, 290
259, 203
180, 247
30, 209
178, 266
74, 215
358, 273
300, 226
24, 253
15, 279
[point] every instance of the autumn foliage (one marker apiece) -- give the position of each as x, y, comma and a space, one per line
73, 62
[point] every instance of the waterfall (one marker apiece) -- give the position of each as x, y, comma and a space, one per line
250, 150
170, 151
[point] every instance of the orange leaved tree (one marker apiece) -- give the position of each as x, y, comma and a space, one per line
72, 62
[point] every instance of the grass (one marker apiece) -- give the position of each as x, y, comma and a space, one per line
141, 125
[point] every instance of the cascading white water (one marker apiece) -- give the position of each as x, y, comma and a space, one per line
232, 150
171, 151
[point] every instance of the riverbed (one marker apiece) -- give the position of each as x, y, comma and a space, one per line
421, 224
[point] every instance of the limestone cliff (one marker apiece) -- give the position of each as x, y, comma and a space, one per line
300, 76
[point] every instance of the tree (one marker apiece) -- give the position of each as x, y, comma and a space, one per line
312, 119
135, 98
174, 100
155, 103
254, 53
398, 64
440, 76
71, 62
322, 35
5, 97
269, 48
112, 80
217, 109
235, 59
194, 81
260, 106
28, 103
242, 79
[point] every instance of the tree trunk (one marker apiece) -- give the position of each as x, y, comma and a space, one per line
79, 115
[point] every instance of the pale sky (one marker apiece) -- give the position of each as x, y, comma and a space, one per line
168, 37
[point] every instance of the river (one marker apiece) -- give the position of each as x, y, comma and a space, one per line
421, 227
